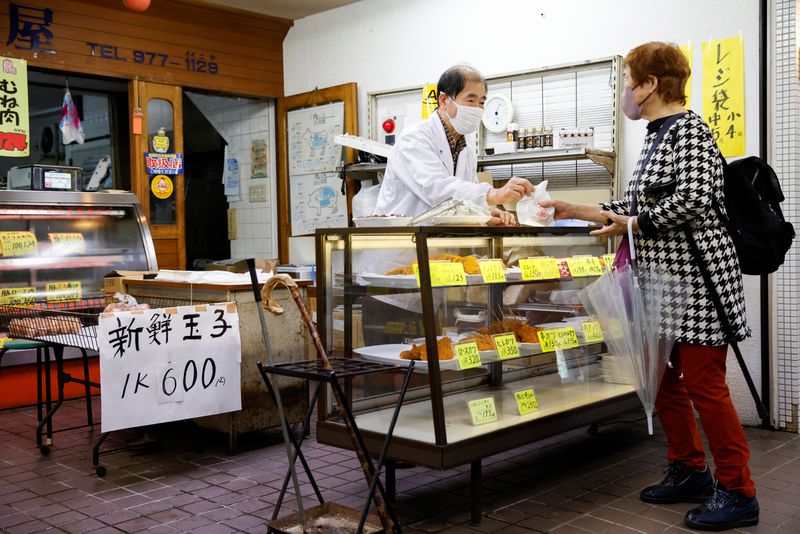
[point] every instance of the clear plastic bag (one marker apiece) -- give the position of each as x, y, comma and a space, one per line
530, 213
365, 201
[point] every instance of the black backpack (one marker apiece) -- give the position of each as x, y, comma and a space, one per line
754, 218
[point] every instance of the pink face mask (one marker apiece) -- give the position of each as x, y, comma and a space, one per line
630, 108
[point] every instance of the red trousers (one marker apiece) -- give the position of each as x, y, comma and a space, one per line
703, 385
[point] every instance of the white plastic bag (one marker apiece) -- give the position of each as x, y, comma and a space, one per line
530, 213
70, 124
365, 201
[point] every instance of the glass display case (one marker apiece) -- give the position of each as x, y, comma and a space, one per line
507, 354
56, 247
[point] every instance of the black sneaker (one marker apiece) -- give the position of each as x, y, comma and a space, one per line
681, 484
723, 510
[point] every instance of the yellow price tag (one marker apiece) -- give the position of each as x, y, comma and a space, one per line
592, 332
18, 296
3, 341
63, 291
584, 266
68, 243
539, 268
506, 346
444, 273
482, 411
468, 355
493, 271
526, 401
558, 338
608, 259
18, 243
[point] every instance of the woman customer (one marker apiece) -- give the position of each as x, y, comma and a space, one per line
675, 188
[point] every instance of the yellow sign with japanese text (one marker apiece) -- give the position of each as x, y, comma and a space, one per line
558, 338
482, 411
506, 345
468, 355
592, 332
526, 401
429, 101
492, 271
14, 119
688, 53
63, 291
581, 266
18, 243
444, 273
723, 93
539, 268
64, 244
18, 296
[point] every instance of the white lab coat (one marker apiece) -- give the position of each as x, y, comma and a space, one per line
419, 173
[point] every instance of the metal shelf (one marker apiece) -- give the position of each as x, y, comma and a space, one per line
364, 171
604, 158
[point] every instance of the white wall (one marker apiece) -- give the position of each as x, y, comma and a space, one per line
386, 44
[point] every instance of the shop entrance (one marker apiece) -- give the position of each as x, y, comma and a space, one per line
156, 149
206, 205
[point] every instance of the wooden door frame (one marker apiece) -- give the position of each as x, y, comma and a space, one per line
139, 94
346, 93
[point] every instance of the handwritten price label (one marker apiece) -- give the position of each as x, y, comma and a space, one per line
584, 266
444, 273
592, 332
63, 291
558, 338
18, 243
468, 355
482, 411
492, 271
539, 268
18, 296
526, 401
68, 243
506, 346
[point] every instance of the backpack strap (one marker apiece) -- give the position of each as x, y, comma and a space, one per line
662, 131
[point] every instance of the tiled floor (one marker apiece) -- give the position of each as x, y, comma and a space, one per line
185, 482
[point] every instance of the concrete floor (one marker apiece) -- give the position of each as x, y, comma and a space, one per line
186, 482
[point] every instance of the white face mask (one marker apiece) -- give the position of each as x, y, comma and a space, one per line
467, 118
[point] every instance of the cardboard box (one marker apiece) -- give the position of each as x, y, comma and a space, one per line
240, 266
114, 282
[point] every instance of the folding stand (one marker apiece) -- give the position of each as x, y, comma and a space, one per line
314, 370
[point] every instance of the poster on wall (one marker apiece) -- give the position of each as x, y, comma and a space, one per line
723, 93
14, 120
311, 133
316, 202
258, 158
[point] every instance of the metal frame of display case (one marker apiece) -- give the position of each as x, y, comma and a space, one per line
441, 454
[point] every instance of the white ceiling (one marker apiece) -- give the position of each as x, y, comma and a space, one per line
287, 9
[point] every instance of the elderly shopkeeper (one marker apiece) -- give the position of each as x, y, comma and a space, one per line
435, 160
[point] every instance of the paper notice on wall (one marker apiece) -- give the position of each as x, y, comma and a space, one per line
232, 230
723, 93
168, 364
259, 159
311, 133
231, 179
687, 51
316, 202
429, 100
14, 119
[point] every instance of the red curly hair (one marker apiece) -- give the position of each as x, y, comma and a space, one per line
666, 63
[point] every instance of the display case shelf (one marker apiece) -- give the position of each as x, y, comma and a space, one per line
604, 158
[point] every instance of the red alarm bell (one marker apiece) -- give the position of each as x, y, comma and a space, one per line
137, 5
388, 126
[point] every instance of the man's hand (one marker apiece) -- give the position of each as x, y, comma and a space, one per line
514, 189
564, 210
501, 218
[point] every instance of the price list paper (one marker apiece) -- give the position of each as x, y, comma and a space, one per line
468, 355
492, 271
482, 411
558, 338
581, 266
539, 268
18, 244
444, 273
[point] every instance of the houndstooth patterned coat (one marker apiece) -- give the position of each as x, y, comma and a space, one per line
677, 187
